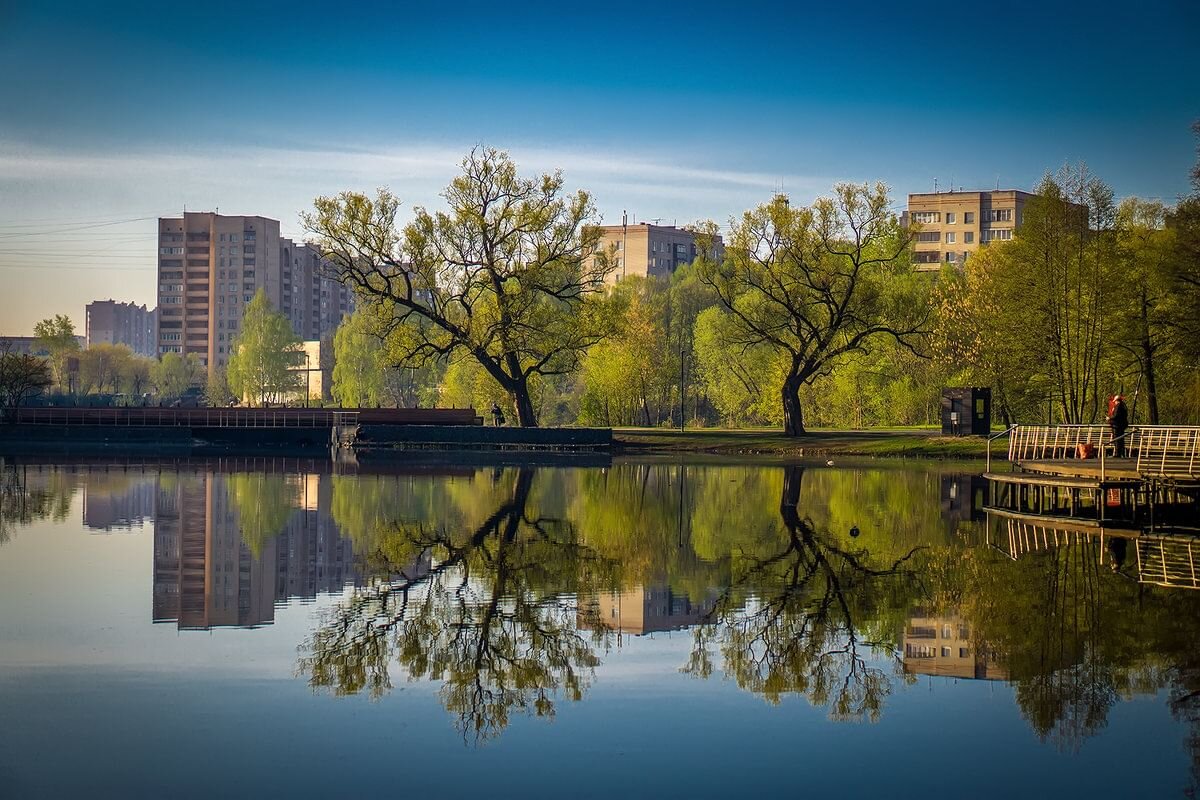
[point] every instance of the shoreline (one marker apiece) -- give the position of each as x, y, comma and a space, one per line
925, 444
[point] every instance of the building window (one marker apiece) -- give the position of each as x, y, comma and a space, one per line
929, 236
949, 217
950, 237
968, 217
996, 234
998, 215
926, 217
968, 237
963, 652
945, 652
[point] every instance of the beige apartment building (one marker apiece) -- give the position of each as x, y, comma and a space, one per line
211, 265
649, 250
110, 322
954, 225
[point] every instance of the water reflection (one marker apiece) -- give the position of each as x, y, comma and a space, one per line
509, 587
229, 547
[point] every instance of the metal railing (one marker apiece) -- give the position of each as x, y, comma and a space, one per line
189, 417
1169, 451
1006, 432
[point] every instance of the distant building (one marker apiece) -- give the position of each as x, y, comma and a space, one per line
650, 250
110, 322
28, 345
640, 610
944, 646
954, 225
118, 500
209, 268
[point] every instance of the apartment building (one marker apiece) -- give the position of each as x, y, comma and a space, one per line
309, 295
110, 322
211, 265
954, 225
650, 250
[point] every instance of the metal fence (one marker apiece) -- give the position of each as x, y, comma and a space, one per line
189, 417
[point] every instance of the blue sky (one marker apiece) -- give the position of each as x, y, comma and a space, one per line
115, 112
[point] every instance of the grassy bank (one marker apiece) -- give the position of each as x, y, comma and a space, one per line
904, 443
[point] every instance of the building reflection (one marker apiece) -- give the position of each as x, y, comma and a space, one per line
641, 610
943, 645
118, 500
206, 573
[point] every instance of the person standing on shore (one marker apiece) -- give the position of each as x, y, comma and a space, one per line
1118, 423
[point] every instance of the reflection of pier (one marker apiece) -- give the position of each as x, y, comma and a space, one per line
641, 610
1160, 559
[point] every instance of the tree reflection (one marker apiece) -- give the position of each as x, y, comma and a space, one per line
798, 617
25, 497
487, 611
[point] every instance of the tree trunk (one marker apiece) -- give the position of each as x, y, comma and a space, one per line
793, 415
523, 405
1148, 362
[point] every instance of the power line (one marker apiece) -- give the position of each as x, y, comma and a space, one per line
76, 228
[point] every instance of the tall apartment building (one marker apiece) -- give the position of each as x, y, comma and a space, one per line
956, 224
209, 268
650, 250
110, 322
308, 294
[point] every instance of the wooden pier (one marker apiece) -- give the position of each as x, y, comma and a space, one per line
1072, 472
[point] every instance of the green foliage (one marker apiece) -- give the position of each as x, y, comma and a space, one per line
358, 362
103, 367
506, 276
216, 387
174, 374
266, 355
57, 335
817, 284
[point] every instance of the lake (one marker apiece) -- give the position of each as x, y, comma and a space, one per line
291, 627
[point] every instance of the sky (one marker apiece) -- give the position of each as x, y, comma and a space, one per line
113, 114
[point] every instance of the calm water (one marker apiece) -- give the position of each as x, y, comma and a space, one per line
250, 628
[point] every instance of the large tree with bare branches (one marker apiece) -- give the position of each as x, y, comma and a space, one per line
506, 275
818, 283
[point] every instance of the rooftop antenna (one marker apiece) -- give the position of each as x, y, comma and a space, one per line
935, 186
997, 183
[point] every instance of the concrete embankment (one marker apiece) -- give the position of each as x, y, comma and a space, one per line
369, 437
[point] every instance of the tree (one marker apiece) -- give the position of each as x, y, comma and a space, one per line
508, 276
57, 336
102, 366
174, 375
358, 368
1143, 309
266, 355
135, 374
817, 283
21, 376
216, 388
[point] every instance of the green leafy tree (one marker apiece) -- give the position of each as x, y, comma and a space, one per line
57, 336
816, 284
506, 276
266, 355
216, 388
358, 362
103, 367
175, 374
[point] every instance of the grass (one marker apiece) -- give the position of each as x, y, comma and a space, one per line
897, 443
